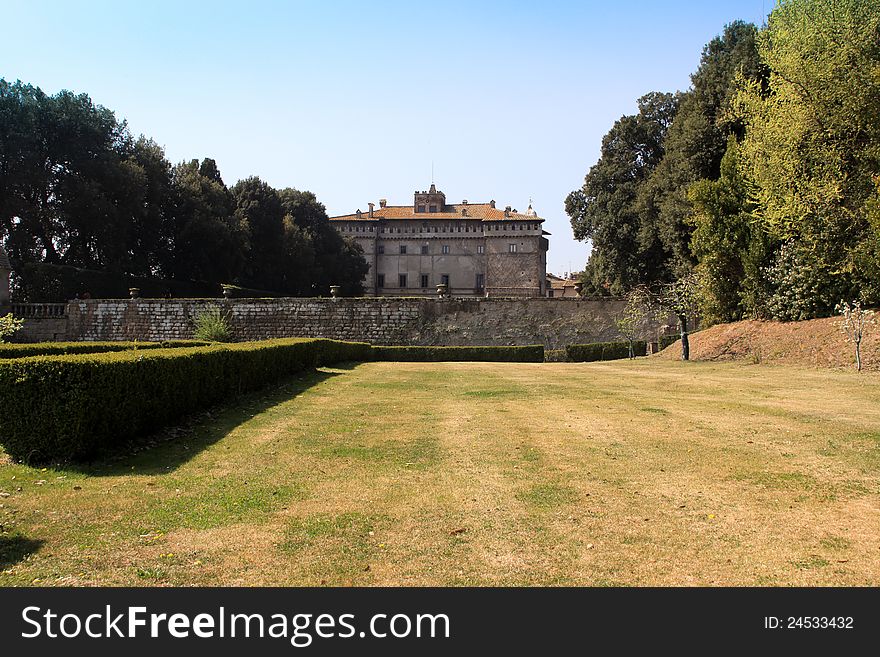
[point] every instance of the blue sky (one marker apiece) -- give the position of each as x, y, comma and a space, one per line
355, 100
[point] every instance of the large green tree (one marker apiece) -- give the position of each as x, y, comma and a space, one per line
77, 189
335, 260
812, 148
606, 210
697, 139
204, 239
730, 246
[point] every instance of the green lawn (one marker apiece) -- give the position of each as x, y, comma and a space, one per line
624, 473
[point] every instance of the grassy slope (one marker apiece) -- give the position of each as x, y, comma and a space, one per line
632, 473
812, 343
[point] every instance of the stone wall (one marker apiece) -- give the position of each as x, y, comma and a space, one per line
551, 322
42, 329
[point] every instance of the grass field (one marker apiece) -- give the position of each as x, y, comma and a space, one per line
627, 473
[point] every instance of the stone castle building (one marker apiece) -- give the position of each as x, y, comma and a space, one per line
475, 249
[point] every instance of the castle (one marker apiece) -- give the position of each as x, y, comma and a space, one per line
474, 249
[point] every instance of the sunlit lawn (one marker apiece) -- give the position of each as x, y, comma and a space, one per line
650, 472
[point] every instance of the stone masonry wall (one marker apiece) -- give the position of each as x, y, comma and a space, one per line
551, 322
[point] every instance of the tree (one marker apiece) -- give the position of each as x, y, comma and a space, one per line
728, 244
698, 139
605, 209
260, 213
856, 321
9, 325
681, 298
632, 320
334, 259
812, 146
205, 241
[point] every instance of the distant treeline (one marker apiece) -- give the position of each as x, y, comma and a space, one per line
762, 180
77, 189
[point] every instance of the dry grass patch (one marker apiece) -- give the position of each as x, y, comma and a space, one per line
623, 473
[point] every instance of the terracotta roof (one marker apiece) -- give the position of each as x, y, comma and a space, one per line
559, 283
4, 259
482, 211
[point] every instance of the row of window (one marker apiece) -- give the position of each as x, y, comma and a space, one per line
361, 228
425, 280
425, 249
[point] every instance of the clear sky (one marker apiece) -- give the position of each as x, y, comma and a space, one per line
355, 100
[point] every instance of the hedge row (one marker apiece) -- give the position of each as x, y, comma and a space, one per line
527, 354
69, 348
578, 353
58, 408
666, 340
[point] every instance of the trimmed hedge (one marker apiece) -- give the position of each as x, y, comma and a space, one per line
580, 353
68, 348
527, 354
58, 408
666, 340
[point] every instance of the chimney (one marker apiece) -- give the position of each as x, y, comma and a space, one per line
492, 203
383, 202
464, 202
358, 213
464, 212
507, 211
371, 210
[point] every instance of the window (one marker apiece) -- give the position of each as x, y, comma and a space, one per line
403, 249
433, 208
445, 249
444, 278
511, 248
424, 280
402, 280
380, 280
550, 293
424, 250
380, 249
481, 249
421, 208
481, 281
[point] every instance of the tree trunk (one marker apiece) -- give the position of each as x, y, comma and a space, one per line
859, 356
685, 345
631, 354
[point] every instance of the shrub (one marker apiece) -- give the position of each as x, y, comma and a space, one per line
579, 353
9, 325
527, 354
65, 348
555, 356
211, 325
55, 408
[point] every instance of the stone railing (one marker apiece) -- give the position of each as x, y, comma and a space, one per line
38, 310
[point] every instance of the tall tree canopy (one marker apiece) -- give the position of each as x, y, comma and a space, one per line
766, 182
697, 139
77, 189
812, 148
606, 211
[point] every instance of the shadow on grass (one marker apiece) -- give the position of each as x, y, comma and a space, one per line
15, 548
170, 448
